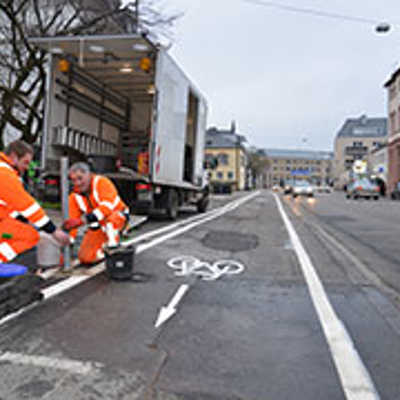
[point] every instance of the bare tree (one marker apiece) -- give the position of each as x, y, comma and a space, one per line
22, 66
258, 164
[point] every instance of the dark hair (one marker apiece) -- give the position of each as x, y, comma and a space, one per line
19, 147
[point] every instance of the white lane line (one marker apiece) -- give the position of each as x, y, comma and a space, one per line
356, 381
73, 281
71, 366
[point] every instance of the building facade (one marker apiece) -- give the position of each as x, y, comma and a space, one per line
378, 162
393, 91
231, 151
286, 165
354, 141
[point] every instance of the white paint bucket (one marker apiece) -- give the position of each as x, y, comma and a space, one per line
48, 251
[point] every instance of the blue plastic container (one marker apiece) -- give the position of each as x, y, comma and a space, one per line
10, 270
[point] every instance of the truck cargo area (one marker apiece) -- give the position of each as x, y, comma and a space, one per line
123, 98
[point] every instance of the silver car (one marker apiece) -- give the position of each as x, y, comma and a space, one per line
362, 188
302, 188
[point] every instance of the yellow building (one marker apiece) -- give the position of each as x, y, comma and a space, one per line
230, 150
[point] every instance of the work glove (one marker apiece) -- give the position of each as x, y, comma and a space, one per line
72, 223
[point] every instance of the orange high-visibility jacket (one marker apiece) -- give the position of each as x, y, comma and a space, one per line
16, 201
98, 204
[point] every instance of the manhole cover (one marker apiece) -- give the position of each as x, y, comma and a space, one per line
230, 241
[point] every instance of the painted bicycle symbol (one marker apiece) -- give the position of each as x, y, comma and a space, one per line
189, 265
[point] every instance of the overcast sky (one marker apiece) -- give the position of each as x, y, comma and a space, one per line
285, 76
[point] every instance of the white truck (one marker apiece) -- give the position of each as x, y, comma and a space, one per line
122, 103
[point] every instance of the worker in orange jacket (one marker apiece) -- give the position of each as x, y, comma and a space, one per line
21, 217
94, 202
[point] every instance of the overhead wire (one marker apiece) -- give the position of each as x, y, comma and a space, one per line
313, 12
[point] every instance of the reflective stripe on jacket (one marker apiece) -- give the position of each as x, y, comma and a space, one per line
14, 199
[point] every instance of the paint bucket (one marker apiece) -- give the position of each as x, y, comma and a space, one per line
119, 264
48, 251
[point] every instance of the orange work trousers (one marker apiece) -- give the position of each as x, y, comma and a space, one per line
16, 238
91, 249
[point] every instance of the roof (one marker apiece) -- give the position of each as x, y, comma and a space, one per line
392, 78
363, 127
219, 138
298, 154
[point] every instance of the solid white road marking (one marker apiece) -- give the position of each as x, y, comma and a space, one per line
354, 376
71, 366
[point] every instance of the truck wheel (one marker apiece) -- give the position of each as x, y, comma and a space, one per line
202, 204
173, 205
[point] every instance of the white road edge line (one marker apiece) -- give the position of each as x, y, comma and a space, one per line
69, 283
356, 381
71, 366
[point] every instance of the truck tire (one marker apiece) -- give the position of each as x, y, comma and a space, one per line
173, 205
202, 204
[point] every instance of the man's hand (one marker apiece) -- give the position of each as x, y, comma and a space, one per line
72, 223
61, 237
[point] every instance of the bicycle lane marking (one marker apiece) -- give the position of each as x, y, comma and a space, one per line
356, 381
73, 281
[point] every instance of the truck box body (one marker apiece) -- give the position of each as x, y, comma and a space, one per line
122, 96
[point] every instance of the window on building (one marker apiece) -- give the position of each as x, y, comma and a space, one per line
220, 175
223, 159
393, 122
275, 161
398, 118
392, 91
288, 161
230, 175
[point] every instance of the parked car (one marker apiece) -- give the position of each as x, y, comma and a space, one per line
395, 195
362, 188
302, 188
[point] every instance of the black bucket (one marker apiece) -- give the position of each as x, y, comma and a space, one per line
119, 265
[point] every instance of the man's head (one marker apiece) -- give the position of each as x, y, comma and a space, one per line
21, 154
80, 176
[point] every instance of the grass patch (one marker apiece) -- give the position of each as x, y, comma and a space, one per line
50, 206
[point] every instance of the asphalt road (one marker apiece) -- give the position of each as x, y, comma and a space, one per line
314, 314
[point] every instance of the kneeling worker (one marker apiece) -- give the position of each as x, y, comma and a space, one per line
95, 202
20, 215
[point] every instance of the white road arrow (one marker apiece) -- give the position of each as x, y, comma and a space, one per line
168, 311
